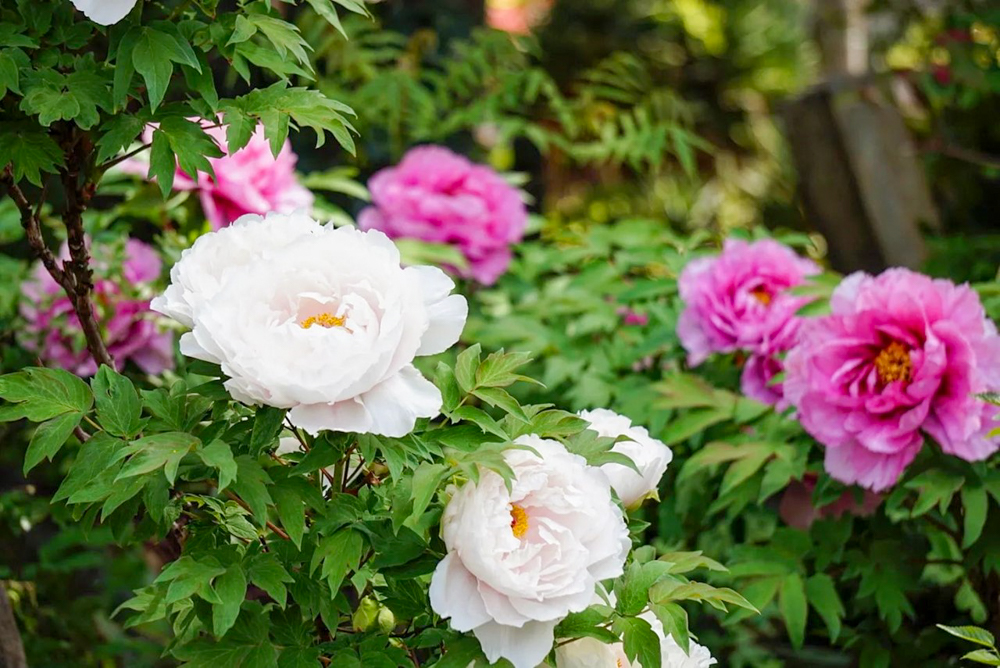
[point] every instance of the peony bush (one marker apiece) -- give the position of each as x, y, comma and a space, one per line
276, 420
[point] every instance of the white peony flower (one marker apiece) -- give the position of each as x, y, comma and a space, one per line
650, 456
519, 562
592, 653
105, 12
321, 321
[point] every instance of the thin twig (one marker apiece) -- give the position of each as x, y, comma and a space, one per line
270, 525
305, 448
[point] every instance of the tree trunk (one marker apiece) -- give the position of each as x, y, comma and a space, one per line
11, 648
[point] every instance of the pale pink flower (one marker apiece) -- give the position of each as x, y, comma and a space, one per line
438, 196
129, 328
516, 16
797, 510
251, 180
900, 356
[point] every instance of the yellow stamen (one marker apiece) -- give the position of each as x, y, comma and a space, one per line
893, 364
619, 662
761, 295
323, 320
518, 521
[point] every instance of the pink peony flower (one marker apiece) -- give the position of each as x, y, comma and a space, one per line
631, 317
900, 356
738, 300
438, 196
251, 180
756, 381
129, 327
797, 510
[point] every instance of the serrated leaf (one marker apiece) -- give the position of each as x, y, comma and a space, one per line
45, 393
231, 588
975, 505
158, 451
219, 456
251, 485
339, 555
118, 407
675, 623
267, 573
639, 641
48, 439
291, 510
466, 366
792, 602
973, 634
823, 597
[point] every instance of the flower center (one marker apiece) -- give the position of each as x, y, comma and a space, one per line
518, 521
327, 320
893, 363
762, 295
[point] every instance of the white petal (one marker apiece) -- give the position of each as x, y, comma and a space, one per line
453, 594
447, 312
105, 12
349, 415
525, 647
397, 402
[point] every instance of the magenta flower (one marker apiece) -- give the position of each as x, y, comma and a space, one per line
251, 180
738, 300
900, 356
438, 196
757, 380
129, 327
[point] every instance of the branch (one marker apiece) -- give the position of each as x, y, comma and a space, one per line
78, 196
270, 525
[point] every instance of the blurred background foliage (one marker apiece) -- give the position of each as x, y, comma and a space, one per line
642, 130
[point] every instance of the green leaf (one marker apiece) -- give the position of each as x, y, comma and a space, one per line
158, 451
688, 424
231, 588
251, 485
162, 162
983, 656
29, 151
972, 634
640, 641
339, 554
247, 645
267, 573
792, 601
426, 480
95, 456
975, 504
632, 588
219, 456
587, 624
497, 370
43, 393
48, 439
482, 419
118, 133
267, 422
495, 396
675, 623
118, 407
291, 510
823, 598
152, 57
466, 366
